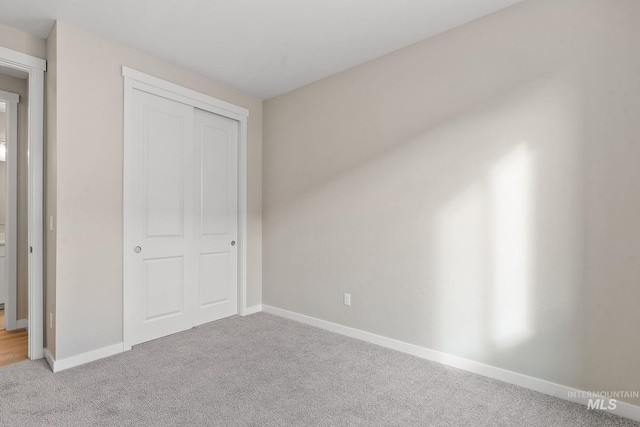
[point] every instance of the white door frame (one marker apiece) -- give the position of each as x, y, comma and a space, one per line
134, 79
34, 69
11, 208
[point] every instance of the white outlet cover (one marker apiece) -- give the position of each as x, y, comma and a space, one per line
347, 299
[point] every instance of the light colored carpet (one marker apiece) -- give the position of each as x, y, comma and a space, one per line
263, 370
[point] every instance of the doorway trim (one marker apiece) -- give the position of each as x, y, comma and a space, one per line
11, 101
136, 80
34, 68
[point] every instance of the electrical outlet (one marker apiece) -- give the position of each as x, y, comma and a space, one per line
347, 299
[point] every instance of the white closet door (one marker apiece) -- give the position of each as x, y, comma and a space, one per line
216, 148
181, 186
159, 250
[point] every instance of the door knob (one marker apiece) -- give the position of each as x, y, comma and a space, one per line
233, 243
137, 249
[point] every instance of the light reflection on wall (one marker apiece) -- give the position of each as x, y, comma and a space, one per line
510, 193
484, 261
461, 271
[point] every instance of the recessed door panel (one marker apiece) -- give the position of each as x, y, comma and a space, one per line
215, 179
164, 283
164, 174
214, 276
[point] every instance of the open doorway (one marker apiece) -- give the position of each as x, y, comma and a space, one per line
13, 214
14, 279
24, 205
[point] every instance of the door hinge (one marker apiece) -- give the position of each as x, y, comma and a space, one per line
30, 249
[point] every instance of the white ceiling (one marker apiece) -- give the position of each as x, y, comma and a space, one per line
262, 47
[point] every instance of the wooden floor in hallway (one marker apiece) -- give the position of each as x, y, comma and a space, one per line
13, 344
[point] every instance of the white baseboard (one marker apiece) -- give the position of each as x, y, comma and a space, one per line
252, 310
81, 359
563, 392
101, 353
22, 323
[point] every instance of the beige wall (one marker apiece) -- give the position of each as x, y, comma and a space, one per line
14, 39
477, 193
21, 87
89, 160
